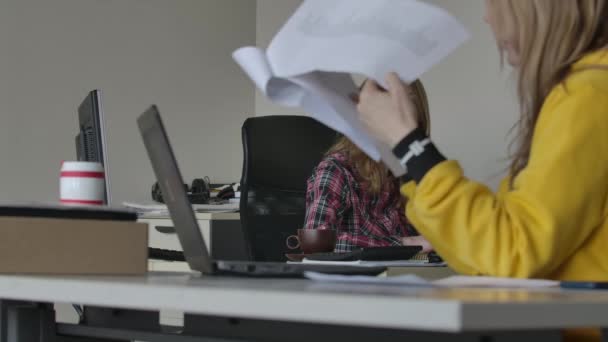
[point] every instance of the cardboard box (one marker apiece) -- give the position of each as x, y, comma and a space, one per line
72, 246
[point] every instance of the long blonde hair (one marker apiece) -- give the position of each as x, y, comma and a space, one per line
375, 174
551, 35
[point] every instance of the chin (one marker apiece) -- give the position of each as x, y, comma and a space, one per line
511, 54
513, 60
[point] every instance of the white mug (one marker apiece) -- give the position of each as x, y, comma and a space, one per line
82, 183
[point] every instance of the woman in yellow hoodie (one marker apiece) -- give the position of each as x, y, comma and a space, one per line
549, 218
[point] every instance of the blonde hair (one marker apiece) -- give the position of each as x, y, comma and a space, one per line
550, 36
373, 173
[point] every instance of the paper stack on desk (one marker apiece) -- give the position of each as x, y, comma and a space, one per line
309, 62
160, 209
453, 281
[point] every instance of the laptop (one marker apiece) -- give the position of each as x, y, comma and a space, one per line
195, 251
91, 140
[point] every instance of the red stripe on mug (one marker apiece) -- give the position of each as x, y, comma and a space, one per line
81, 202
82, 174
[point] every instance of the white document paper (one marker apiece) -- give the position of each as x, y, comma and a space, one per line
466, 281
408, 279
160, 208
453, 281
310, 61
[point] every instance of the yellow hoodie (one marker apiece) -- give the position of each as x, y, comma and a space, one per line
553, 223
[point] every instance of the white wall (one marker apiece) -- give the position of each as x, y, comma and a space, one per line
271, 15
472, 102
177, 54
173, 53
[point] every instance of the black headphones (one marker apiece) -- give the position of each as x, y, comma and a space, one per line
198, 192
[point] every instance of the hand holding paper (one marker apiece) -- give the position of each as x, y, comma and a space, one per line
388, 114
310, 61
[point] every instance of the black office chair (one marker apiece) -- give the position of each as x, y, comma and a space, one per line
280, 153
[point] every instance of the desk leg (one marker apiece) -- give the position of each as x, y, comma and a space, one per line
26, 322
605, 335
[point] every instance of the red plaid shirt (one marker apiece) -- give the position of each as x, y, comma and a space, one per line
336, 200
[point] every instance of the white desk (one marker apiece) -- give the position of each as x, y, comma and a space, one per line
223, 236
221, 231
298, 310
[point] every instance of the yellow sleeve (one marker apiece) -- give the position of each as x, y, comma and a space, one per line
556, 203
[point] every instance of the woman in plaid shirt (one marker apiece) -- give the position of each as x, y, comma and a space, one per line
358, 197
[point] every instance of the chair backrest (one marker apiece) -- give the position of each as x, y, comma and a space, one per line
280, 153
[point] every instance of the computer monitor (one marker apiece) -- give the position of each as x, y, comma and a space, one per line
91, 138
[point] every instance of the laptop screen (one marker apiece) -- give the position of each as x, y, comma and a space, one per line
91, 142
172, 186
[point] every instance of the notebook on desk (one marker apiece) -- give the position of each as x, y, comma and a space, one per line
384, 263
48, 210
395, 256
